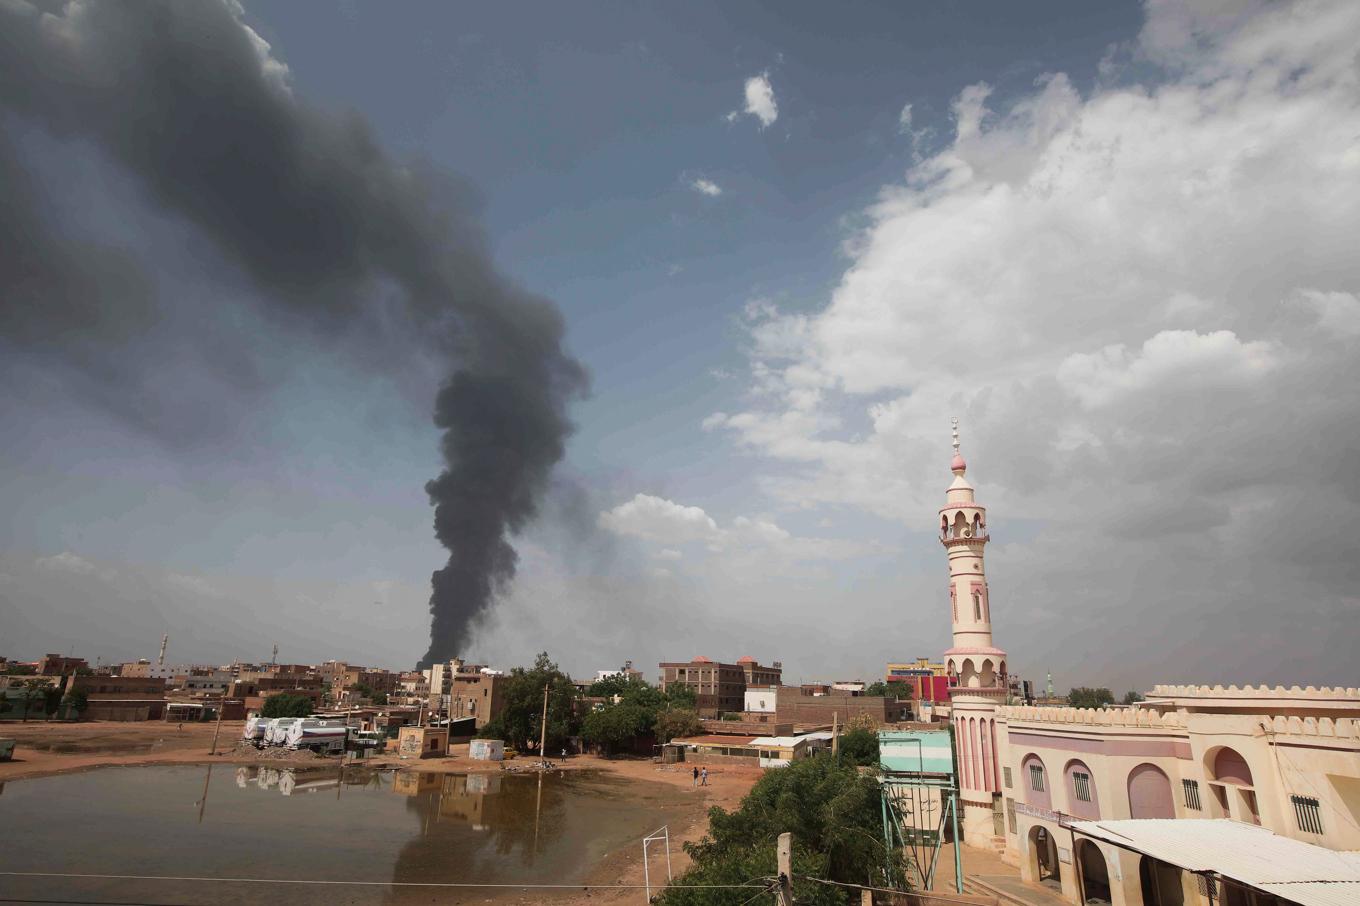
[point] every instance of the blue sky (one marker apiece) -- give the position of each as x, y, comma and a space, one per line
1107, 237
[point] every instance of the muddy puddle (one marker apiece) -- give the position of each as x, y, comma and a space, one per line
271, 827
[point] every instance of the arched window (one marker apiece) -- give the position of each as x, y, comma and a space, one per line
1150, 793
977, 605
1230, 767
1035, 779
1081, 791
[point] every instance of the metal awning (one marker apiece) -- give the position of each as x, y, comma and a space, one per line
1250, 855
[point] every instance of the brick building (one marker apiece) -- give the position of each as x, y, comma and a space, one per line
790, 705
58, 665
719, 688
121, 697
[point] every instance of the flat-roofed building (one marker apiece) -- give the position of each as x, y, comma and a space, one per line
719, 688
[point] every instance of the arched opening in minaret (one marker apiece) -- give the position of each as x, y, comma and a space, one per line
968, 677
988, 675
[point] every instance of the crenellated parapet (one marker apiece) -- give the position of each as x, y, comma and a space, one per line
1343, 728
1324, 692
1096, 717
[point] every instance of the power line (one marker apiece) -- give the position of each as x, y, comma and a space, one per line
452, 884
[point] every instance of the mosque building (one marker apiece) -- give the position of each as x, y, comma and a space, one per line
1115, 805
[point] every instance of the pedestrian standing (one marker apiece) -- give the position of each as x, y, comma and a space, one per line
696, 775
704, 774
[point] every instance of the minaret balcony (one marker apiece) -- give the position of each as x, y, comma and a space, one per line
960, 542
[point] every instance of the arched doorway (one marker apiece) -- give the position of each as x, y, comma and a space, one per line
1043, 858
1095, 876
1160, 883
1150, 793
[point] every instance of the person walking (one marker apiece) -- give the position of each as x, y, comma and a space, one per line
704, 776
696, 775
564, 754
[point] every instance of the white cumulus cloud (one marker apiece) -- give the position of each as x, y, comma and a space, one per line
759, 101
706, 187
1143, 301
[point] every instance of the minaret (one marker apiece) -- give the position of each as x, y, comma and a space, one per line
977, 669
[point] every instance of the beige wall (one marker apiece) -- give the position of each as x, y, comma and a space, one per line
1294, 743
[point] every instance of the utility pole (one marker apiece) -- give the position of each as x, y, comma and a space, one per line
785, 869
835, 734
543, 733
222, 706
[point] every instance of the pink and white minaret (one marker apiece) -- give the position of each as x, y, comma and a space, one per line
977, 668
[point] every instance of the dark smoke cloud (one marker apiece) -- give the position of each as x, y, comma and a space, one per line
337, 238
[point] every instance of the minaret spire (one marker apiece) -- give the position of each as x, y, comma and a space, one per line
977, 668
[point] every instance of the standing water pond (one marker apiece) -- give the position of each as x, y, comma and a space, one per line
294, 824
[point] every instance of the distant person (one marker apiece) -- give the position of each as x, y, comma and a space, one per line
564, 754
704, 774
696, 775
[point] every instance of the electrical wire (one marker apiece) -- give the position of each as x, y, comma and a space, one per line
448, 884
917, 893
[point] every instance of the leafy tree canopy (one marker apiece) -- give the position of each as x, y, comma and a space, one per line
519, 720
834, 814
285, 705
674, 723
859, 746
1133, 696
1086, 697
614, 726
881, 689
77, 700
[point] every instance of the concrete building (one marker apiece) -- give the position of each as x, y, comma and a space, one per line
719, 688
976, 668
58, 665
790, 705
1285, 759
121, 697
928, 680
1086, 801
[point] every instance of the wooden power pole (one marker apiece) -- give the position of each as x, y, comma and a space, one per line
785, 852
543, 732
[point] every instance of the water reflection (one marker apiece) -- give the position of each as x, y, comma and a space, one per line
365, 825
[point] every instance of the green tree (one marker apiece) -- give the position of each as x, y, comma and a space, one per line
674, 723
615, 726
1086, 697
51, 700
1132, 697
12, 669
835, 816
5, 706
609, 686
518, 722
682, 696
859, 746
76, 701
33, 689
285, 705
880, 689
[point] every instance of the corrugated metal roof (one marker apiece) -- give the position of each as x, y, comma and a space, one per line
715, 740
1301, 872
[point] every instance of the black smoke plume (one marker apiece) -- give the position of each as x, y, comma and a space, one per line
334, 236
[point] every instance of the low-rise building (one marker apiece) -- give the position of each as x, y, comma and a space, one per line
121, 697
719, 688
791, 705
1285, 759
59, 665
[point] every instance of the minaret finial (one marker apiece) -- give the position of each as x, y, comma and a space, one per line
957, 466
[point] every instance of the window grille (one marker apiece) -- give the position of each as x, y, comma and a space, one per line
1207, 887
1010, 813
1082, 785
1191, 788
1036, 778
1006, 774
1307, 813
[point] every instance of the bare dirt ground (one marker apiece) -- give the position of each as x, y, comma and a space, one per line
46, 748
